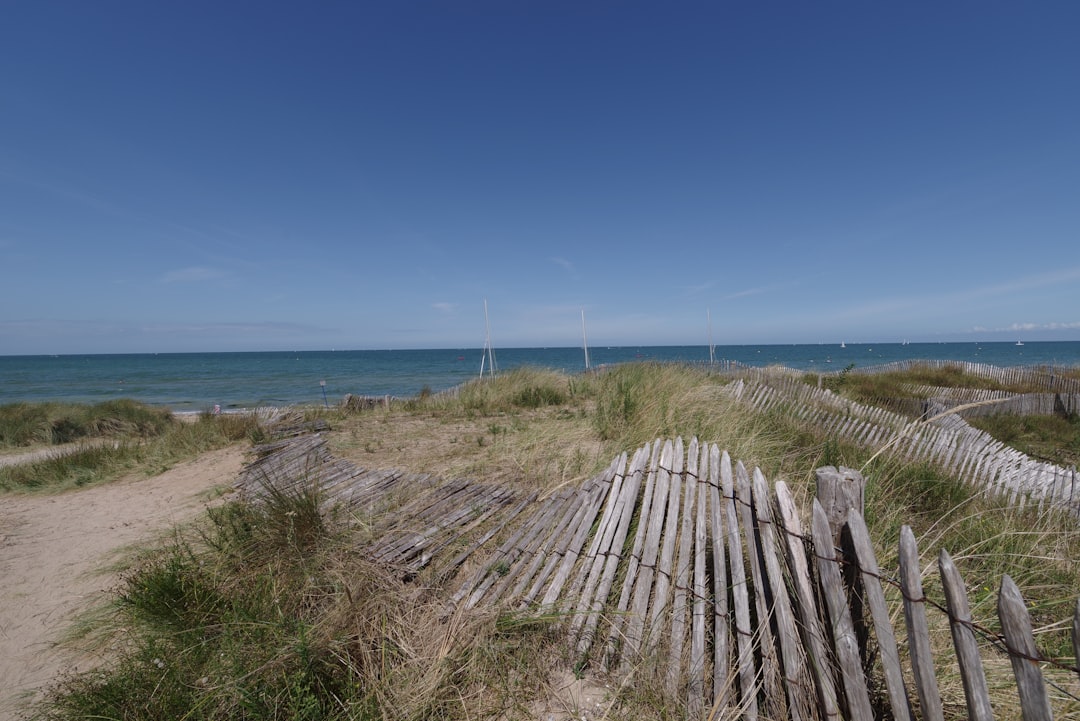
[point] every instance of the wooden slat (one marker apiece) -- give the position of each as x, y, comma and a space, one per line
581, 534
721, 615
813, 634
845, 644
967, 648
922, 661
744, 634
684, 561
661, 604
796, 681
769, 673
695, 692
647, 569
879, 612
614, 555
1016, 627
614, 634
593, 563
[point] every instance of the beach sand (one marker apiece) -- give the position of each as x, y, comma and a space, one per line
55, 554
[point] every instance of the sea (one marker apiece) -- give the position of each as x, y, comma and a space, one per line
197, 382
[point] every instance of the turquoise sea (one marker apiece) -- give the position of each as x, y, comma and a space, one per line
198, 381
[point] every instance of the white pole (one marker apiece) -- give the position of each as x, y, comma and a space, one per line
584, 339
712, 348
487, 341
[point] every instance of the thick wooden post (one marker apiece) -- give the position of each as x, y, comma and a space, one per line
838, 491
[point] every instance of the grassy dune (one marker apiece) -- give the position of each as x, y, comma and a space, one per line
270, 612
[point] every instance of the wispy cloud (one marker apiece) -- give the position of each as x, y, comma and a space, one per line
444, 307
961, 297
758, 290
196, 274
564, 264
1027, 327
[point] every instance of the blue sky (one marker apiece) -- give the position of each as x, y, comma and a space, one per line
205, 176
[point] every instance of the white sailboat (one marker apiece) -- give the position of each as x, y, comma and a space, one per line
843, 344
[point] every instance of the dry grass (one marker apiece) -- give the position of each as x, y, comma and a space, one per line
347, 639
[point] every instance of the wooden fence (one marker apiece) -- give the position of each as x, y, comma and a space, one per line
1049, 378
680, 562
944, 438
983, 402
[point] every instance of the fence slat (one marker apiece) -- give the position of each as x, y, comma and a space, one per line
770, 671
967, 649
879, 612
744, 634
697, 688
810, 626
1016, 626
845, 644
922, 662
721, 614
791, 652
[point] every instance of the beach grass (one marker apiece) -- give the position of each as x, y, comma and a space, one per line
110, 440
272, 611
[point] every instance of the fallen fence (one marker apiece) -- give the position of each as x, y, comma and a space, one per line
943, 437
679, 560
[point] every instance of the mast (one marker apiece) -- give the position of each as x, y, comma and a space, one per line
489, 352
712, 348
584, 340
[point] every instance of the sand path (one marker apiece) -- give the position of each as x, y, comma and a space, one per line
53, 552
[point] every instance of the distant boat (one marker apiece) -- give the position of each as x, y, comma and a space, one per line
1019, 342
843, 344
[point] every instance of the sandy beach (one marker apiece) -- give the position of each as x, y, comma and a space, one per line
55, 551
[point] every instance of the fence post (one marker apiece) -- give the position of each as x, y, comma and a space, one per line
838, 491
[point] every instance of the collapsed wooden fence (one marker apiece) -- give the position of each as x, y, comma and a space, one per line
679, 561
942, 437
1049, 378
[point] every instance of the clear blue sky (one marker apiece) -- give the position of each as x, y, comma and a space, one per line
200, 176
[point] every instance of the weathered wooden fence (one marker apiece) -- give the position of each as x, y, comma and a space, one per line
681, 562
944, 438
983, 402
1049, 378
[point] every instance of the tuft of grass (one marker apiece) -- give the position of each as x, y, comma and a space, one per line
128, 439
30, 424
270, 613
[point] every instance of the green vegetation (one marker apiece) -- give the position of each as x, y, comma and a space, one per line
36, 424
268, 612
113, 438
272, 611
1052, 438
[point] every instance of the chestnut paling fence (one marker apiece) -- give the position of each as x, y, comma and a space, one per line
941, 436
678, 561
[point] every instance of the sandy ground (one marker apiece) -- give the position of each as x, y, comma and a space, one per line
54, 552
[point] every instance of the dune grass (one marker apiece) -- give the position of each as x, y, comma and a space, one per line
112, 440
271, 612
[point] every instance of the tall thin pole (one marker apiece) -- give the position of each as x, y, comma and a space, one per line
488, 349
584, 339
712, 348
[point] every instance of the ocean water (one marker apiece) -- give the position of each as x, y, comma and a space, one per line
199, 381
